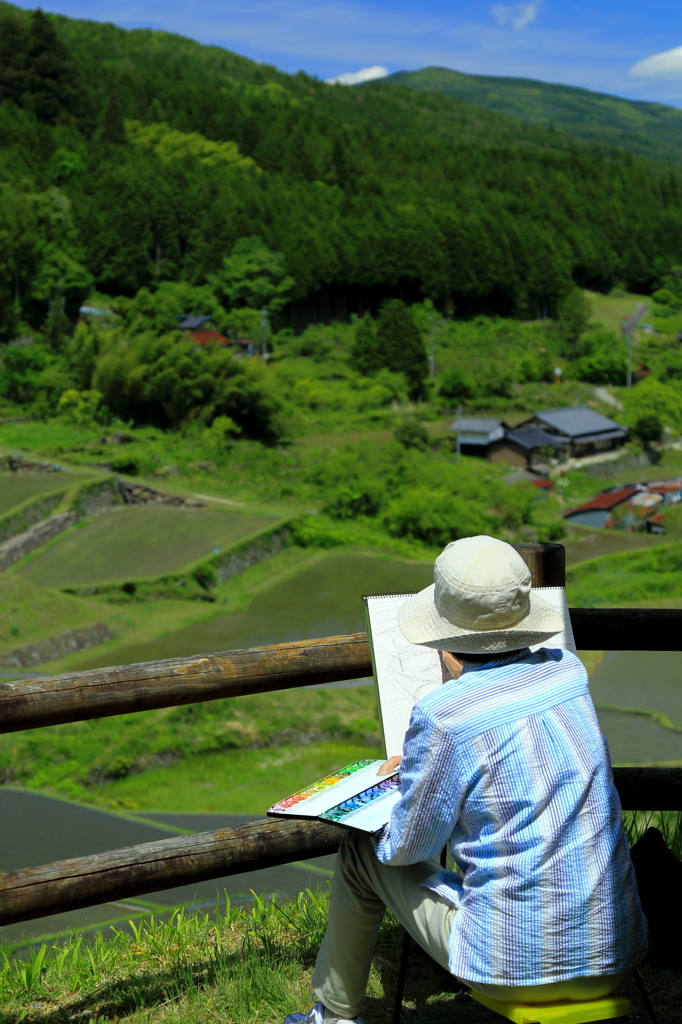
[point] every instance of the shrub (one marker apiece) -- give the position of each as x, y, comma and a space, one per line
436, 517
668, 366
21, 368
164, 381
653, 397
412, 434
603, 366
400, 345
364, 354
127, 464
573, 315
79, 407
457, 385
349, 502
648, 429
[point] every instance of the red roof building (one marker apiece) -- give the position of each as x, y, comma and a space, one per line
597, 512
205, 337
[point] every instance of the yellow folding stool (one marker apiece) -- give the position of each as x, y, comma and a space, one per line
610, 1008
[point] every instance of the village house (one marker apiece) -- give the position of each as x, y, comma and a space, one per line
599, 511
477, 433
633, 507
582, 431
555, 434
195, 328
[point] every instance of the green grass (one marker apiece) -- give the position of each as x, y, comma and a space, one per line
668, 324
16, 488
232, 782
611, 310
584, 542
134, 542
628, 578
235, 967
160, 759
239, 966
29, 613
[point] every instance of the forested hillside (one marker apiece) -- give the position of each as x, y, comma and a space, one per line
650, 129
132, 158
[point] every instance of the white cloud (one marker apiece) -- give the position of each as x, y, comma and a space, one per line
356, 77
660, 65
517, 15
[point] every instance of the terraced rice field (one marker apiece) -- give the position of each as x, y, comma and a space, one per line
18, 487
134, 542
324, 600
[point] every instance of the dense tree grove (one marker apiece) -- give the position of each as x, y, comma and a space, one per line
133, 158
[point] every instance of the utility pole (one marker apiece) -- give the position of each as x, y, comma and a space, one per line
459, 432
264, 333
432, 351
628, 331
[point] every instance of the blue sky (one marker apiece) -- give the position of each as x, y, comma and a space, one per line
629, 48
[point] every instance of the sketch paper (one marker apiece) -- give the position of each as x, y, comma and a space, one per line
404, 672
556, 596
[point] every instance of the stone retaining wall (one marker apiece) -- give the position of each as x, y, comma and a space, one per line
24, 543
28, 513
57, 646
251, 553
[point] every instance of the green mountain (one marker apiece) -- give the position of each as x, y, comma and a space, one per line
649, 129
133, 158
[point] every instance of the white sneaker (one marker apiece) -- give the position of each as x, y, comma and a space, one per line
317, 1014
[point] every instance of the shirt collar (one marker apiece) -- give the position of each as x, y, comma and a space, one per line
507, 658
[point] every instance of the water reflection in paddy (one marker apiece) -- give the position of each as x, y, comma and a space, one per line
323, 600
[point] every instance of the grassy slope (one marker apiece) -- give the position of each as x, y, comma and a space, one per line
159, 760
16, 488
650, 129
628, 579
239, 966
29, 613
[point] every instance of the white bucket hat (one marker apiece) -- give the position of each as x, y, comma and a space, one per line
481, 601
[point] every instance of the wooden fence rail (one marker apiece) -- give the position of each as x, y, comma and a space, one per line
99, 693
152, 867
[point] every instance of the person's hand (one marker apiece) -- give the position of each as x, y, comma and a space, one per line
390, 766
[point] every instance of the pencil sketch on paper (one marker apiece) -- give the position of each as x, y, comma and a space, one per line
404, 672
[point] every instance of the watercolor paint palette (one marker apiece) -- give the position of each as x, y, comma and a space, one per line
354, 796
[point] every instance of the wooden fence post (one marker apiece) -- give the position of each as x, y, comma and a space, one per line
547, 563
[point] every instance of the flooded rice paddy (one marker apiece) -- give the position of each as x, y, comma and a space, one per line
38, 829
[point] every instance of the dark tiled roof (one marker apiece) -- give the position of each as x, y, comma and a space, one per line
533, 437
608, 435
192, 323
577, 421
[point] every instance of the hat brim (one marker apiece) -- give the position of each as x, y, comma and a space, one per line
420, 622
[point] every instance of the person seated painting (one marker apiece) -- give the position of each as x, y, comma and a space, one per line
506, 766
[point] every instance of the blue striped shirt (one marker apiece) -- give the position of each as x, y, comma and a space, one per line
508, 767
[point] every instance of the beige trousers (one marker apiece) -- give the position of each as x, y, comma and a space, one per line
362, 889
